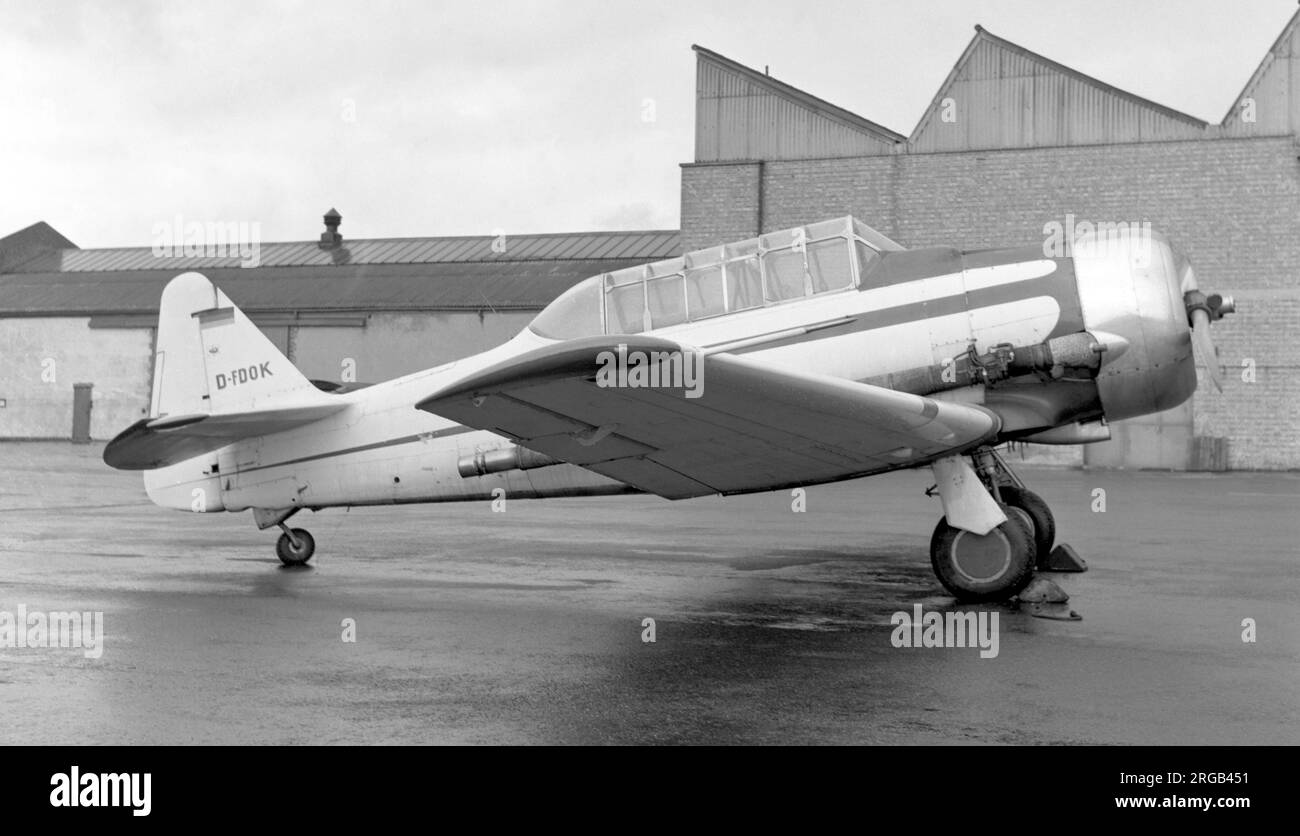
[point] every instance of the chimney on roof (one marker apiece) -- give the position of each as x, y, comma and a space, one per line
330, 238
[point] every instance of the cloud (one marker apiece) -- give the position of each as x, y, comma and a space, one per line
436, 119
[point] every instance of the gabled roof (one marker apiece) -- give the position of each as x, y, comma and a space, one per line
742, 114
25, 244
1157, 115
794, 94
1284, 50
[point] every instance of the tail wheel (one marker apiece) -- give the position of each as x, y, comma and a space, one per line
1033, 505
295, 555
984, 567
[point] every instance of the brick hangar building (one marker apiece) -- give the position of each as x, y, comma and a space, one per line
1011, 142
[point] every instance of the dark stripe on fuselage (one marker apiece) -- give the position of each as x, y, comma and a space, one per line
392, 442
1059, 284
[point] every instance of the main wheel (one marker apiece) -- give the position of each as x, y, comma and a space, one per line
1033, 505
291, 556
984, 567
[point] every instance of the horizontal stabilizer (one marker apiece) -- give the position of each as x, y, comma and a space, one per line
157, 442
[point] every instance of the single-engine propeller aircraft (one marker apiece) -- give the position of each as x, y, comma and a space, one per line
805, 356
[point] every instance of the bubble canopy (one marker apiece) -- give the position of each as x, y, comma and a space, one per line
772, 269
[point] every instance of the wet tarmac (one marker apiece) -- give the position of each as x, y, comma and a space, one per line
526, 626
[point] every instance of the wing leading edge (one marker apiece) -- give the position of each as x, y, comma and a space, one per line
744, 426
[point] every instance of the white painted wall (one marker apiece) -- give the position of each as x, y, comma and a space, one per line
40, 359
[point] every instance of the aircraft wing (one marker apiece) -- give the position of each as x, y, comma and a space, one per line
754, 426
157, 442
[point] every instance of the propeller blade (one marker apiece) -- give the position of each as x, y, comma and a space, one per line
1204, 345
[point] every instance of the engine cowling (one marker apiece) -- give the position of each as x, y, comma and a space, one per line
1130, 285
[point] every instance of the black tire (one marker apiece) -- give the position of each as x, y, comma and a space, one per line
989, 567
290, 556
1038, 511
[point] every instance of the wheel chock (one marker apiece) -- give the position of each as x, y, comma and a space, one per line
1063, 558
1042, 591
1055, 612
1043, 598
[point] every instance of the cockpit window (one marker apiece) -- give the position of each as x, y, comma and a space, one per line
744, 284
830, 264
576, 313
625, 306
786, 275
704, 292
772, 269
667, 301
867, 259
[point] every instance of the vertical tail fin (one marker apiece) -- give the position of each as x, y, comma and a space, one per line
211, 358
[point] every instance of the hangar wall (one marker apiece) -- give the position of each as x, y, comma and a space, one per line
1013, 141
394, 344
1233, 205
55, 353
45, 356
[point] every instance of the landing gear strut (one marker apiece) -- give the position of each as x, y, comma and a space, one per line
295, 546
995, 531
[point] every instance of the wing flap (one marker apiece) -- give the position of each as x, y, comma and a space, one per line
746, 426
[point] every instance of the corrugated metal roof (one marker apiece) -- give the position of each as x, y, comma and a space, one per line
647, 244
1010, 97
515, 285
1274, 89
742, 114
462, 273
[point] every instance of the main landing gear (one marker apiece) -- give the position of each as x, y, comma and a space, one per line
995, 532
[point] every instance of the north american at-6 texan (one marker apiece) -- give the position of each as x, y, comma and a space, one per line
805, 356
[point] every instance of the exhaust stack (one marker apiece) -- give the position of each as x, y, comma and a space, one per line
508, 458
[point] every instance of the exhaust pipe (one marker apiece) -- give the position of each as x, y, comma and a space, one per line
507, 458
1085, 352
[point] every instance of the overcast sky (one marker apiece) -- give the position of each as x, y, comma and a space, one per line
434, 118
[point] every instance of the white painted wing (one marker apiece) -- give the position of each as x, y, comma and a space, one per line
754, 427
